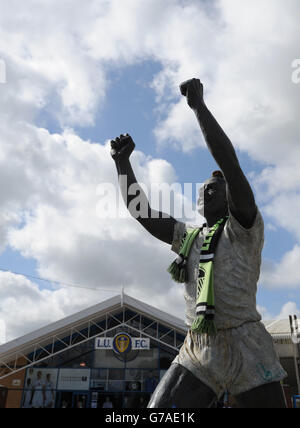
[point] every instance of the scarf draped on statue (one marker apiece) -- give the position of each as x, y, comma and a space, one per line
205, 304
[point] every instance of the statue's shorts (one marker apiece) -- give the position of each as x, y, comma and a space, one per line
236, 360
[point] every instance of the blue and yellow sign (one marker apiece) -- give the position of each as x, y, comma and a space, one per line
122, 343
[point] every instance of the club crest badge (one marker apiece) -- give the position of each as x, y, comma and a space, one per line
122, 343
201, 278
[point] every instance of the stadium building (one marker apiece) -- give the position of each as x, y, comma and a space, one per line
111, 355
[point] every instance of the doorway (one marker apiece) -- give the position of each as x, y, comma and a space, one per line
3, 396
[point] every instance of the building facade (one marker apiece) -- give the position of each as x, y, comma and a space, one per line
109, 356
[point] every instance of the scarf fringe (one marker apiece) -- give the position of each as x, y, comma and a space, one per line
201, 325
178, 272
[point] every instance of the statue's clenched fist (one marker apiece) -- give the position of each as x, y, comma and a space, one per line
193, 90
122, 147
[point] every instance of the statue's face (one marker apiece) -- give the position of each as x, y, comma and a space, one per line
212, 198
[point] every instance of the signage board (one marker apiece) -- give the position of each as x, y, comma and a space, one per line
122, 343
73, 380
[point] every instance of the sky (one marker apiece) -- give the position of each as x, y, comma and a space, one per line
78, 74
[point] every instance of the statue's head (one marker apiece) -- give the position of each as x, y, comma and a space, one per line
212, 201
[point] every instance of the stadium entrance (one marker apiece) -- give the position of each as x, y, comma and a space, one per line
110, 356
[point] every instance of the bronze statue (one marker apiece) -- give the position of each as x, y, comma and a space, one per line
240, 358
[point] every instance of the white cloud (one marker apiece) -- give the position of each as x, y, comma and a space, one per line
284, 274
25, 308
284, 209
56, 224
264, 313
289, 308
42, 47
244, 61
246, 71
61, 229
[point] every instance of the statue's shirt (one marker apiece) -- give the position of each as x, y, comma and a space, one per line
236, 272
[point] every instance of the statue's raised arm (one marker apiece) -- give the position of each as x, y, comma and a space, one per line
158, 224
239, 193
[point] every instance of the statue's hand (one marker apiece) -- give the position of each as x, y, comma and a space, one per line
193, 90
122, 147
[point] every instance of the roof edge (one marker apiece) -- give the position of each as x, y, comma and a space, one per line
59, 326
